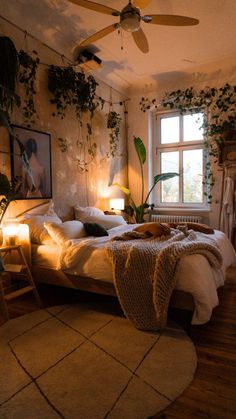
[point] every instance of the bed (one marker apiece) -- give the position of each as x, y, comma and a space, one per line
196, 281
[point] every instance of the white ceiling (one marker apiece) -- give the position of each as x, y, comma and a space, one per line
172, 50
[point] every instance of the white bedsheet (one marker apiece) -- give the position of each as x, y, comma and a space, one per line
88, 257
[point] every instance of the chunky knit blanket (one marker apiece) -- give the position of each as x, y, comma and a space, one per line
144, 272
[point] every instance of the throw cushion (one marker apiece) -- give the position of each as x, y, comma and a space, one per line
82, 213
46, 208
106, 221
65, 231
94, 229
38, 234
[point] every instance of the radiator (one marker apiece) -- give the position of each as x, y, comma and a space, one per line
176, 218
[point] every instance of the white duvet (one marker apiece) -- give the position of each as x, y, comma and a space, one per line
88, 257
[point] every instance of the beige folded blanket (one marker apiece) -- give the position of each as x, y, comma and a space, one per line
144, 272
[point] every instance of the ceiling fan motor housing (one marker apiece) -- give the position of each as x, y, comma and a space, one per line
130, 18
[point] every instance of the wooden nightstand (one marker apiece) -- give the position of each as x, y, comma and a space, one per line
20, 271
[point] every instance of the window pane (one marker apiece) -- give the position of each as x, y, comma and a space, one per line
192, 175
170, 130
191, 127
170, 187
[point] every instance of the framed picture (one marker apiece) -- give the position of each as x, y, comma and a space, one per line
38, 148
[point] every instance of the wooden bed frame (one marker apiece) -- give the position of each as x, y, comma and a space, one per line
179, 299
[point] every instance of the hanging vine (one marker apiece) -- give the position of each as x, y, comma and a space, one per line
113, 124
73, 89
219, 108
27, 76
8, 76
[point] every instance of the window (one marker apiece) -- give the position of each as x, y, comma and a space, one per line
180, 148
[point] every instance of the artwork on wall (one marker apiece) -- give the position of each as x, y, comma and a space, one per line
38, 183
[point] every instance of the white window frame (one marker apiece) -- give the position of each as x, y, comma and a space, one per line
180, 146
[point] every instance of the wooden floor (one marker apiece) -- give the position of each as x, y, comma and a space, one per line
212, 393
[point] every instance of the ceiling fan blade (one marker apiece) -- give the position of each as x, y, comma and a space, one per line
140, 40
97, 7
100, 34
170, 20
141, 3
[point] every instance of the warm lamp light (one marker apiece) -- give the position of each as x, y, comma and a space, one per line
117, 204
24, 241
11, 232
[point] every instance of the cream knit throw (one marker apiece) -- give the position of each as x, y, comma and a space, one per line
144, 272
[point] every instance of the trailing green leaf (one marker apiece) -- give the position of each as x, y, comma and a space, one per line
113, 124
219, 107
27, 75
8, 72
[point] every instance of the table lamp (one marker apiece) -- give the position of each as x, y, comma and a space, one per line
11, 229
117, 204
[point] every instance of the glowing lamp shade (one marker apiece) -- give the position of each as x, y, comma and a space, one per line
11, 232
117, 204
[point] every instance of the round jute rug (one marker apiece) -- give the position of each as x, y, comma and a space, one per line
76, 362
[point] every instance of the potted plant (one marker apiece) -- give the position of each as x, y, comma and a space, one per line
137, 212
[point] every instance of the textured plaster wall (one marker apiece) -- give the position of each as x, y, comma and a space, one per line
68, 184
140, 124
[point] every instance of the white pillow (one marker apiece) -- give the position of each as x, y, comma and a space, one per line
47, 208
83, 213
106, 221
65, 231
38, 234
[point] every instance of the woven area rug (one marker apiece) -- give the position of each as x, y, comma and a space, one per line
77, 362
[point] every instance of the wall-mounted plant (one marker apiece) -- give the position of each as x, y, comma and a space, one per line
8, 76
27, 76
73, 90
63, 144
8, 98
113, 124
219, 107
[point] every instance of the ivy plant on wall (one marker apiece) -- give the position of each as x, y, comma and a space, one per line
219, 107
113, 124
72, 89
8, 98
8, 77
27, 77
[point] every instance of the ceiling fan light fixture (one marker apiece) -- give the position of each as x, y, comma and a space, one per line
130, 18
130, 23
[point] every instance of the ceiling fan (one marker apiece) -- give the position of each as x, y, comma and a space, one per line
130, 20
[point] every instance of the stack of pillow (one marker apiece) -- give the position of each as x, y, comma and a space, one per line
47, 228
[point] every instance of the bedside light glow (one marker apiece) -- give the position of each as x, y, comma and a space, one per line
117, 204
